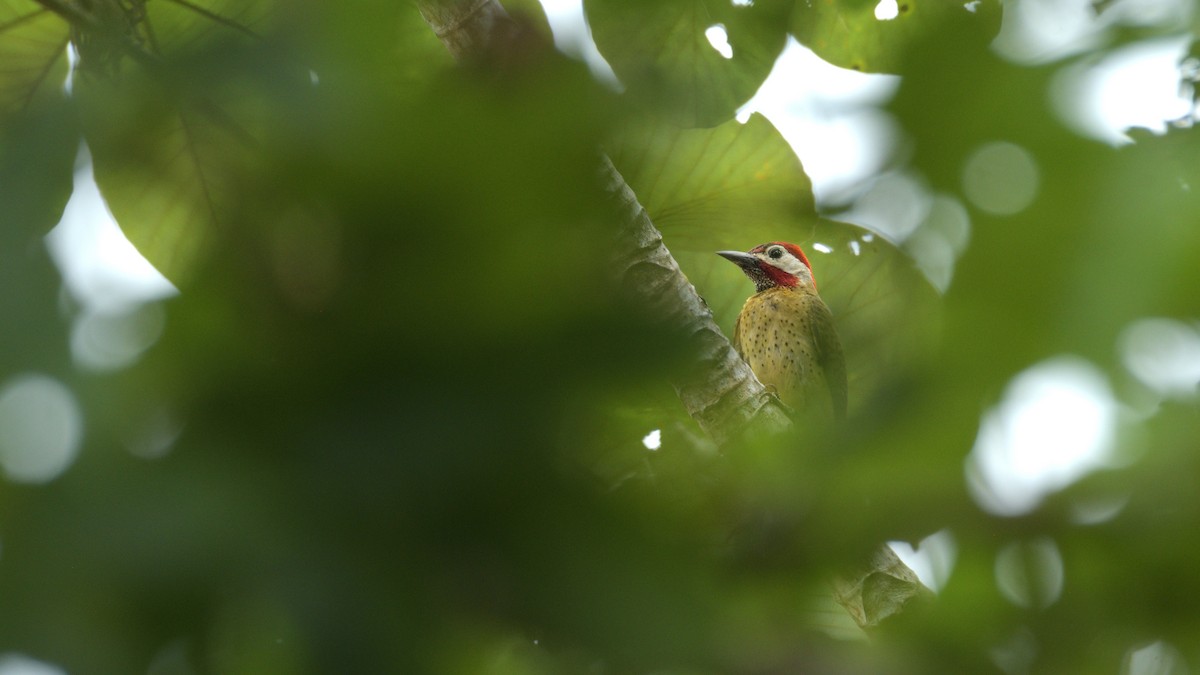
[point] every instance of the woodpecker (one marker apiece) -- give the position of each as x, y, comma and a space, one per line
785, 331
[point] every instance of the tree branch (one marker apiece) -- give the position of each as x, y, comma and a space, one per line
717, 388
470, 29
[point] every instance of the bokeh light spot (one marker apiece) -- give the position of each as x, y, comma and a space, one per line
1097, 510
155, 436
19, 664
103, 341
1030, 574
894, 205
1000, 178
940, 240
1135, 86
173, 658
1016, 655
1156, 658
1040, 31
1056, 423
1036, 31
41, 428
1164, 355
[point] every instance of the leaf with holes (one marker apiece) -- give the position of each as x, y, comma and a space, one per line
662, 52
848, 33
739, 185
33, 51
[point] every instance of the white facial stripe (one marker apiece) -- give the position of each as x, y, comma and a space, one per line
787, 262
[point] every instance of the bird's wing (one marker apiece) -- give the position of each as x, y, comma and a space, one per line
830, 357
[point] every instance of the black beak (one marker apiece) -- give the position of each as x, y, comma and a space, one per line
742, 260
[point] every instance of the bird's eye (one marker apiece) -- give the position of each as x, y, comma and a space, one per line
776, 252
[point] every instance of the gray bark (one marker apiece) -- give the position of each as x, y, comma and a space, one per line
717, 388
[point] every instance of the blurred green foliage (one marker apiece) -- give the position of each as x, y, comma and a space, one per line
394, 422
851, 34
662, 52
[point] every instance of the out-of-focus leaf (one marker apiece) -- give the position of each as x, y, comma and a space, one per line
37, 157
168, 168
885, 310
393, 48
708, 187
171, 152
33, 54
847, 34
174, 26
36, 165
739, 185
662, 54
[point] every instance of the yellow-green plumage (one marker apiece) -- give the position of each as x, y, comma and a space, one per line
785, 331
786, 334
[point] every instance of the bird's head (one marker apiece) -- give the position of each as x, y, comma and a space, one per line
774, 264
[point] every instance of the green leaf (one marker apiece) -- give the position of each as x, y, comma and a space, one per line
33, 51
661, 53
173, 136
177, 26
701, 184
847, 34
738, 185
168, 171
